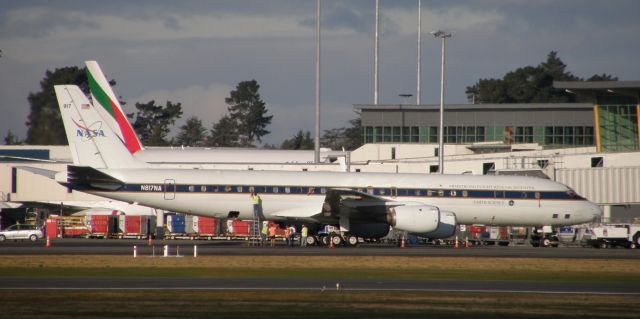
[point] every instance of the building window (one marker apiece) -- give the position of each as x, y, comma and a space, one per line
567, 216
597, 162
433, 168
555, 216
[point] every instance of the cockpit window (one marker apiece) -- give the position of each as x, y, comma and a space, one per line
573, 195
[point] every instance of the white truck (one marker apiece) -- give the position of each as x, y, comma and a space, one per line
612, 235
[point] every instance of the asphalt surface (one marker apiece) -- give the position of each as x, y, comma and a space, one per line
71, 246
185, 248
462, 286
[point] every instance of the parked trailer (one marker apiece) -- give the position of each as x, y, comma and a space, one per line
135, 226
101, 226
612, 235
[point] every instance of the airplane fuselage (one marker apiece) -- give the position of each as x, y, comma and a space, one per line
491, 200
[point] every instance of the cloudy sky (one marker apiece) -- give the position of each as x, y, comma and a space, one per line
195, 52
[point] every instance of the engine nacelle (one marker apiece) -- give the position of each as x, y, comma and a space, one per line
371, 230
417, 219
446, 227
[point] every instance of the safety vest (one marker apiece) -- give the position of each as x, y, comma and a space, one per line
305, 231
255, 199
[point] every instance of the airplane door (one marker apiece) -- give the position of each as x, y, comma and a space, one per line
169, 189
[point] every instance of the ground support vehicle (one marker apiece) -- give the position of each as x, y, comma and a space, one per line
544, 237
614, 235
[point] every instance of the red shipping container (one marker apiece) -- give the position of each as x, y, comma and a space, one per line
207, 226
240, 227
476, 231
132, 225
51, 228
100, 224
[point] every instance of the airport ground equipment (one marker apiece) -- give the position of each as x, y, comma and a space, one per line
614, 235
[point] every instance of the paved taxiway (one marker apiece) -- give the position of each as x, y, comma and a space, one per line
69, 246
485, 286
241, 248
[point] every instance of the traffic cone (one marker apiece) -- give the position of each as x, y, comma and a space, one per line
48, 244
331, 242
457, 245
150, 241
402, 244
466, 242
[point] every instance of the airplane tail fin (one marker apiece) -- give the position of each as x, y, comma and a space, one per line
109, 107
92, 143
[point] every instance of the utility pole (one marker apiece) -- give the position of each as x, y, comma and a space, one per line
317, 141
376, 50
419, 66
442, 35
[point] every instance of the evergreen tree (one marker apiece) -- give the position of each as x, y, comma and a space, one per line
153, 122
11, 139
300, 141
224, 133
529, 84
349, 138
248, 111
44, 123
192, 133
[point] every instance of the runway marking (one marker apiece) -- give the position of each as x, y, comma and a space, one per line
546, 292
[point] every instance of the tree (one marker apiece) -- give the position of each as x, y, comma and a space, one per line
11, 139
529, 84
248, 111
349, 138
44, 124
192, 133
153, 122
300, 141
224, 133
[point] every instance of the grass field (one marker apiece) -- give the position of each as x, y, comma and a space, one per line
316, 304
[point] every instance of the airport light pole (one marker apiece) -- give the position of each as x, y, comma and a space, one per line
316, 147
442, 35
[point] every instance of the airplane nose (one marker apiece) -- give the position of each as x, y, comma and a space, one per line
596, 212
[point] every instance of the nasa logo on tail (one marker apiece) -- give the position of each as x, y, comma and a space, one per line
88, 132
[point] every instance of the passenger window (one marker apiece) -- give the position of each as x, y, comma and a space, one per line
465, 194
567, 216
191, 188
203, 188
441, 193
555, 216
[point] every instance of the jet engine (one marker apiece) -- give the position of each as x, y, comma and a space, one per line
422, 220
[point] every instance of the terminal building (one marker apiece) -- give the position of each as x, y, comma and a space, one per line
610, 122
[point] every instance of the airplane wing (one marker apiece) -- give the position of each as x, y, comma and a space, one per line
39, 171
345, 206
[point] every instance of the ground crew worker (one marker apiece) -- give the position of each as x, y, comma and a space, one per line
292, 235
287, 235
272, 235
257, 205
304, 232
263, 233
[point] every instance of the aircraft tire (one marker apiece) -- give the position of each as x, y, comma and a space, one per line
336, 240
352, 240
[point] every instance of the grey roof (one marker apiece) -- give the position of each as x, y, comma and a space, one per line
473, 107
596, 85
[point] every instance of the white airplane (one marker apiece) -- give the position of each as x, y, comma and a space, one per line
362, 204
111, 111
